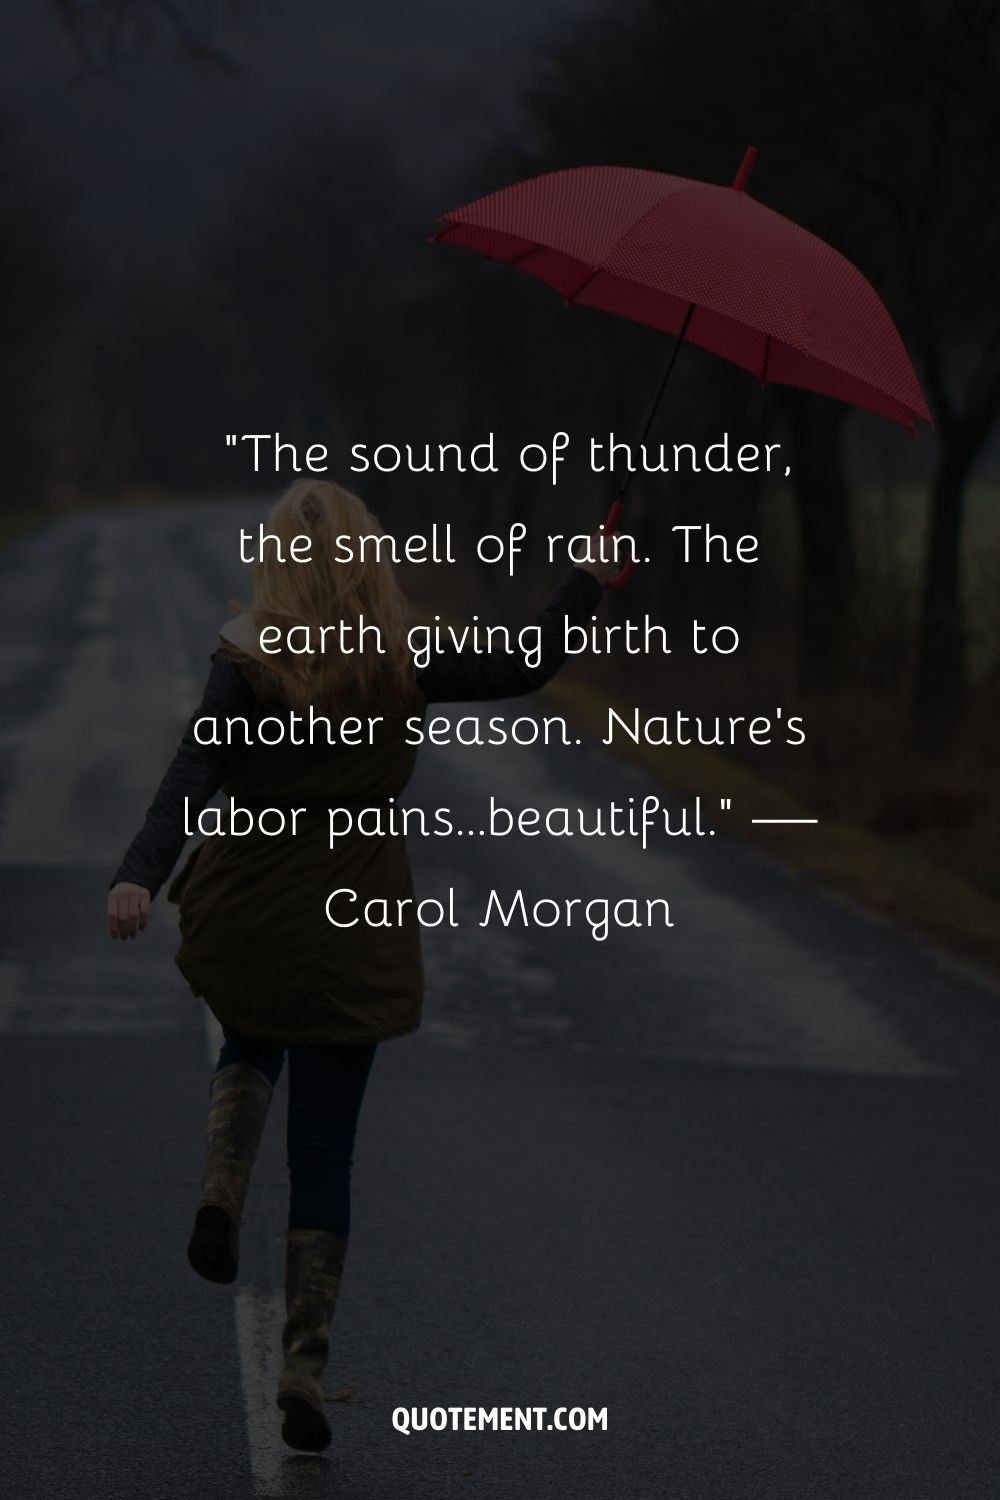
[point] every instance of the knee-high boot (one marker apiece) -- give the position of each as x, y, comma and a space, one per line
313, 1267
238, 1106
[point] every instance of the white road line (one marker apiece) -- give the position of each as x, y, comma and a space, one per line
213, 1035
275, 1470
97, 614
260, 1317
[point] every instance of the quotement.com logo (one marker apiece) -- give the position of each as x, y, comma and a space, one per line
407, 1419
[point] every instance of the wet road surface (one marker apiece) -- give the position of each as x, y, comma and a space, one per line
734, 1182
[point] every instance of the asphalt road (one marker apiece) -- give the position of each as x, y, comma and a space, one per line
736, 1182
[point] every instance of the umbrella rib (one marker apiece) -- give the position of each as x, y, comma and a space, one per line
584, 283
749, 270
532, 249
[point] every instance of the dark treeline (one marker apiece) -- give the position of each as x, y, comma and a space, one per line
319, 311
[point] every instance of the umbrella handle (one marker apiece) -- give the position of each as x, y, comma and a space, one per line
614, 514
609, 528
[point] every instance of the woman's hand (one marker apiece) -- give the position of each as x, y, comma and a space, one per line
602, 551
128, 909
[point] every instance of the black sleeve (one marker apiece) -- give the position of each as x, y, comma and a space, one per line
456, 676
196, 772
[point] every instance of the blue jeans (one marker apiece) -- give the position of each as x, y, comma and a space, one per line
325, 1088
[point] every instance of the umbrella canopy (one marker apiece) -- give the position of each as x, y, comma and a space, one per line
709, 264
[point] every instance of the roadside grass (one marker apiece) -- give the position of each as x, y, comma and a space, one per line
890, 524
18, 523
918, 878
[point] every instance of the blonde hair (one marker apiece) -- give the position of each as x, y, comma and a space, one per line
325, 591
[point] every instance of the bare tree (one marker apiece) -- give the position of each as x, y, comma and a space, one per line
109, 33
40, 277
878, 130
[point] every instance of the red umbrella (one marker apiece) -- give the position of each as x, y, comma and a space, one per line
709, 264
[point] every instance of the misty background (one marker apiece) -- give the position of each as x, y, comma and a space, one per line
214, 218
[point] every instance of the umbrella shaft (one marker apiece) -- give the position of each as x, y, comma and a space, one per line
623, 490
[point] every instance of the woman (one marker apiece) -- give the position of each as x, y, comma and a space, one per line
256, 939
